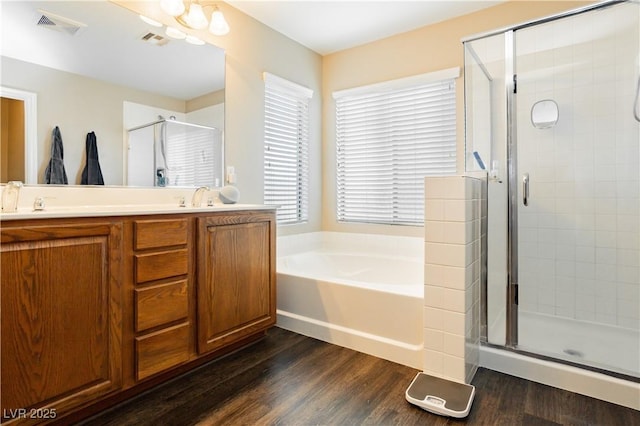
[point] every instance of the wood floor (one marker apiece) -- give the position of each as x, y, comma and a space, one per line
289, 379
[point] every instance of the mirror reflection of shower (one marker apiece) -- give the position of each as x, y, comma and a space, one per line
168, 152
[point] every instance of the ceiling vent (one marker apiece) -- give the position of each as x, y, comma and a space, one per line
58, 23
155, 39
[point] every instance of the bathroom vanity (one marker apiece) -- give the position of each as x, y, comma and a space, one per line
99, 307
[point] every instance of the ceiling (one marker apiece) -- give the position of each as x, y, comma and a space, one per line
109, 48
327, 26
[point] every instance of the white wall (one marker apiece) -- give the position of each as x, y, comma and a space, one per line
79, 105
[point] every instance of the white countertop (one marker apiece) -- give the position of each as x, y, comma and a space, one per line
79, 201
124, 210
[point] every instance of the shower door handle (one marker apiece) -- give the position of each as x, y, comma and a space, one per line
525, 189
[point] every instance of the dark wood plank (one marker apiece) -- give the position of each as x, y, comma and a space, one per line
290, 379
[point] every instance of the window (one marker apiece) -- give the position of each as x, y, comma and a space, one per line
286, 141
389, 136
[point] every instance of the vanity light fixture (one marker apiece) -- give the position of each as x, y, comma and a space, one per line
175, 33
219, 25
191, 14
194, 40
150, 21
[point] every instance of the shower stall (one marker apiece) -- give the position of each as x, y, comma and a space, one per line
168, 152
551, 113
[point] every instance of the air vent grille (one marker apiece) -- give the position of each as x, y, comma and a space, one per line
154, 39
58, 23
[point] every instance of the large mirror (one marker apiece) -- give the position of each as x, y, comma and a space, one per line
95, 66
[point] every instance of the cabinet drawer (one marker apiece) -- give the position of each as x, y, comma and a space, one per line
160, 233
164, 349
161, 304
165, 264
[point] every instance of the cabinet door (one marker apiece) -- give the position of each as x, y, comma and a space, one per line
61, 315
236, 278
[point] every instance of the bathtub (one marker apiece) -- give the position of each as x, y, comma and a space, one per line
360, 291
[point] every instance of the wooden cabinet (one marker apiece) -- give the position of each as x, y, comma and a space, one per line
94, 307
61, 309
161, 294
236, 278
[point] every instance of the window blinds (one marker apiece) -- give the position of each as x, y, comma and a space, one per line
388, 139
286, 163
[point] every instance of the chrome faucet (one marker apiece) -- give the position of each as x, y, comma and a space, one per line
38, 204
10, 196
197, 196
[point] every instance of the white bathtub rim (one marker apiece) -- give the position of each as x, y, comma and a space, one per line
409, 290
370, 244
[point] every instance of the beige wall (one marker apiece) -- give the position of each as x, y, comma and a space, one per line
79, 105
430, 48
252, 48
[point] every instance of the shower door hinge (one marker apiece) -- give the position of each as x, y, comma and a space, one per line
515, 83
515, 294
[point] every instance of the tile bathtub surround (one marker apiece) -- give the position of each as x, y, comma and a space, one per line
453, 231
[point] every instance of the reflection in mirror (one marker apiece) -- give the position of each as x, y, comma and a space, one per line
94, 66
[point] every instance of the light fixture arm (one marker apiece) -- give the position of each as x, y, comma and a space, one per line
193, 15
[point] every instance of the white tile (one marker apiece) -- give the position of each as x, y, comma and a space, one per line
607, 222
433, 296
566, 268
627, 291
434, 362
628, 240
433, 339
606, 304
434, 209
445, 254
605, 273
453, 322
450, 187
606, 255
434, 318
433, 274
606, 239
454, 368
454, 344
459, 232
458, 210
585, 303
628, 274
585, 254
453, 300
628, 257
629, 223
434, 231
626, 308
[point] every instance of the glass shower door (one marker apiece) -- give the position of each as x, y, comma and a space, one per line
485, 135
578, 193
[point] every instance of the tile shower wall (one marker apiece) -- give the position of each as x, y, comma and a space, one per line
453, 230
579, 241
